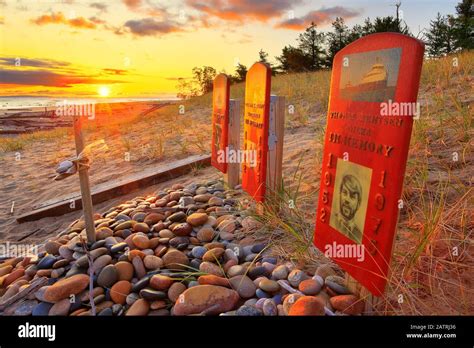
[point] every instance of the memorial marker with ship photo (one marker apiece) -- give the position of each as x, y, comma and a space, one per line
370, 76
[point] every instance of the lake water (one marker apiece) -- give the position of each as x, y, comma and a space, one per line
34, 102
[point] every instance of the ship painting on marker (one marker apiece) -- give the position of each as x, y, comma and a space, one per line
370, 76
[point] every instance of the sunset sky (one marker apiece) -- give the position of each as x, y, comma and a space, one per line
139, 48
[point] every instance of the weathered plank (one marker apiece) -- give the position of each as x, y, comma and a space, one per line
117, 188
232, 177
35, 285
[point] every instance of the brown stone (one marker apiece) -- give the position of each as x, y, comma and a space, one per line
214, 245
229, 264
139, 267
66, 287
103, 305
211, 268
289, 301
183, 229
61, 263
206, 234
210, 279
5, 270
79, 312
160, 250
153, 218
13, 276
175, 290
213, 255
141, 227
165, 233
120, 290
209, 299
52, 247
154, 242
158, 304
161, 282
60, 308
124, 270
309, 287
101, 262
307, 306
85, 297
136, 253
141, 241
139, 307
108, 276
152, 262
204, 198
348, 304
197, 219
175, 259
269, 286
243, 285
103, 233
227, 226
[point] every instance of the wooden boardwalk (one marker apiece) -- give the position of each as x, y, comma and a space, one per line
116, 188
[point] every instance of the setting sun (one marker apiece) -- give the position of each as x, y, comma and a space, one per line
104, 91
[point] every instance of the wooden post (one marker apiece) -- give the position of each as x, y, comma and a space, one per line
276, 134
357, 289
84, 182
232, 177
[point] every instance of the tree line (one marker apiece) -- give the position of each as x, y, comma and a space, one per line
315, 50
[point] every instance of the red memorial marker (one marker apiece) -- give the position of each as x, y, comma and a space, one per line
374, 89
256, 125
220, 121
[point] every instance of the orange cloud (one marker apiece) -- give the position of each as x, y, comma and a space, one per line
243, 10
318, 17
132, 4
151, 27
59, 18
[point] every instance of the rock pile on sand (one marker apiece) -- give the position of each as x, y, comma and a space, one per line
185, 251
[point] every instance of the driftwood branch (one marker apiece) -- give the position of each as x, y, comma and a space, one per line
36, 284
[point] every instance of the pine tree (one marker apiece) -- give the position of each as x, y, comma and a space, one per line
389, 24
440, 37
464, 25
368, 27
337, 39
355, 33
240, 73
293, 59
311, 43
263, 57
